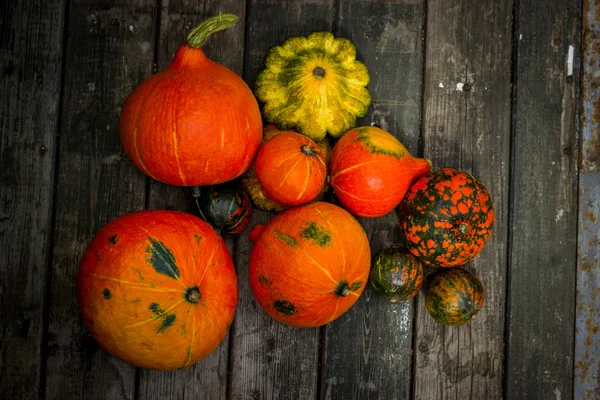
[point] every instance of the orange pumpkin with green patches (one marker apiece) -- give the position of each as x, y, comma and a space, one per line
309, 264
447, 217
371, 171
291, 169
157, 289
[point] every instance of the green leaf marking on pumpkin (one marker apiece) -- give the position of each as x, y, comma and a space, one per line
113, 239
166, 322
285, 307
162, 259
356, 285
106, 293
167, 319
155, 308
290, 241
139, 274
316, 232
380, 143
263, 280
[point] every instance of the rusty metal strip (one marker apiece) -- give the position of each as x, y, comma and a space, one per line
587, 340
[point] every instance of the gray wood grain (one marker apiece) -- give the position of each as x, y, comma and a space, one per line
467, 126
544, 203
31, 56
208, 378
270, 359
368, 349
109, 51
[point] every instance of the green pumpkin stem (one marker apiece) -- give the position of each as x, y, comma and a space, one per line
307, 150
342, 289
198, 35
196, 191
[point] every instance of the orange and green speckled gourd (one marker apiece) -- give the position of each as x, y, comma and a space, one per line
447, 217
371, 171
309, 264
157, 289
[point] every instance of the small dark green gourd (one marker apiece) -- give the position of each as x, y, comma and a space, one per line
226, 207
396, 275
454, 297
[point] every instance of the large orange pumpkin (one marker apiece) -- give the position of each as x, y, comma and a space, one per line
157, 289
309, 264
371, 171
195, 123
291, 169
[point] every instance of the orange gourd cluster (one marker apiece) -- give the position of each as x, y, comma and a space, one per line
158, 289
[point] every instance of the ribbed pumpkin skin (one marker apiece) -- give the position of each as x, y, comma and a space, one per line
447, 218
371, 171
136, 286
252, 185
291, 169
396, 275
454, 297
195, 123
226, 207
309, 264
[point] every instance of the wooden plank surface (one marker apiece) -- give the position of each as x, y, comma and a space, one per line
467, 126
270, 359
529, 266
109, 50
587, 326
368, 349
31, 55
208, 378
543, 235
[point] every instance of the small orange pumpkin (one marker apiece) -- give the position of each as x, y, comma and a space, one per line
309, 264
195, 123
291, 169
157, 289
371, 171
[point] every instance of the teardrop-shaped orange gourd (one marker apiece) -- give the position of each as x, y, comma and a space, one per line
291, 169
194, 123
371, 171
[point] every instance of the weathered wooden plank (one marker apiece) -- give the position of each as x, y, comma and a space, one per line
208, 378
31, 55
467, 126
368, 349
543, 236
109, 50
270, 359
587, 331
